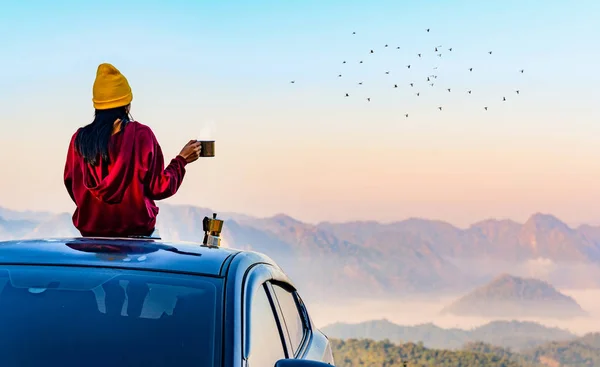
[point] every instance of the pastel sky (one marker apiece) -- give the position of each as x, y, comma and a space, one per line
303, 148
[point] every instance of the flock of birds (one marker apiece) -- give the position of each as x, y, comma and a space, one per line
429, 78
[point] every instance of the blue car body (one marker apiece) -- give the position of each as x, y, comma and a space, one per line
129, 302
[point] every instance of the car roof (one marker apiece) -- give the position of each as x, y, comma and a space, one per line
134, 253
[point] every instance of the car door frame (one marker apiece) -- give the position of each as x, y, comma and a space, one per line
302, 312
255, 279
265, 275
244, 273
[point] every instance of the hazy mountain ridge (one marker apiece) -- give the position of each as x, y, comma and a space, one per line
510, 296
34, 216
376, 259
410, 267
314, 258
515, 335
542, 235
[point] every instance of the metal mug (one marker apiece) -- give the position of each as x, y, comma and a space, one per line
208, 148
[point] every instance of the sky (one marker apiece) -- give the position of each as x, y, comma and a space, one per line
304, 149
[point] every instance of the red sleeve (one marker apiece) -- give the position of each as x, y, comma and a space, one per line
68, 173
161, 182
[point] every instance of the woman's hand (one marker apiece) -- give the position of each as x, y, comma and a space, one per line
191, 151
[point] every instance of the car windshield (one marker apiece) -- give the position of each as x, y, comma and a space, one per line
84, 316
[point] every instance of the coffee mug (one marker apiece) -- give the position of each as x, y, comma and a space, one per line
208, 148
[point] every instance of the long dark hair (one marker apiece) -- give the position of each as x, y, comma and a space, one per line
93, 139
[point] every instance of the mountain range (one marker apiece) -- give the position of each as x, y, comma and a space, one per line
414, 256
514, 335
510, 296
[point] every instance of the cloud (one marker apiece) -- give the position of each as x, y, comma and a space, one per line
540, 267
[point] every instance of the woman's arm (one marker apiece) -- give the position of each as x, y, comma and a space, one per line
160, 182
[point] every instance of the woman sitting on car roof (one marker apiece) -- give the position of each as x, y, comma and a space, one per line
115, 167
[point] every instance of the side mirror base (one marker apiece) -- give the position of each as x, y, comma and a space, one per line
300, 363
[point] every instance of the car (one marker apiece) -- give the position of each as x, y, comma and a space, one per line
146, 302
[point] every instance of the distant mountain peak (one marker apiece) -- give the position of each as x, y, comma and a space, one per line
428, 222
542, 221
523, 284
512, 296
506, 277
495, 222
520, 284
284, 218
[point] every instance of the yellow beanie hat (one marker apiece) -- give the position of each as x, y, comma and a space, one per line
111, 89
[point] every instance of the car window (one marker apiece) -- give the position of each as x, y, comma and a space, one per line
266, 346
71, 316
291, 315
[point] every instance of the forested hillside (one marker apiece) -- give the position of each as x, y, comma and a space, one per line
368, 353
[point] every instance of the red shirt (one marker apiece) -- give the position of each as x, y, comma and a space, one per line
117, 200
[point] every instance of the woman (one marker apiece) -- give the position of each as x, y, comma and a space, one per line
115, 167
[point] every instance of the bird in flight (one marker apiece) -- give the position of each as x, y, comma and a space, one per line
485, 108
522, 70
360, 83
440, 107
386, 46
470, 69
503, 98
436, 50
344, 62
339, 76
371, 51
428, 79
490, 52
440, 55
435, 68
360, 62
431, 84
397, 48
418, 93
450, 49
293, 81
427, 29
412, 84
406, 115
387, 72
517, 91
408, 66
448, 89
347, 95
395, 85
353, 32
419, 55
469, 92
368, 99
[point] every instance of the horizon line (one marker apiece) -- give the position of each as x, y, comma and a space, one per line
350, 221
